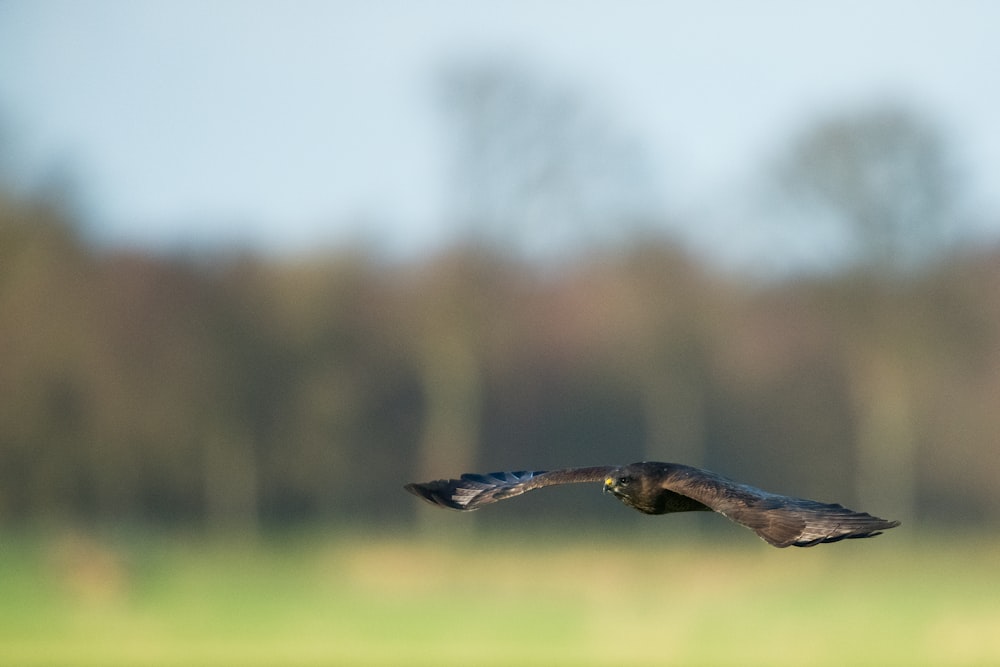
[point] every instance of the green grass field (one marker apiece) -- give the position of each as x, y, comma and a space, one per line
74, 599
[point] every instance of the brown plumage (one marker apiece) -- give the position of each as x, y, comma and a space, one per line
661, 488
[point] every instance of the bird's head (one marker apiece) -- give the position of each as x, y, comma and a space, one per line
636, 486
617, 483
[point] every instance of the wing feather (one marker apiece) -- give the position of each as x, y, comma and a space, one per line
780, 520
471, 490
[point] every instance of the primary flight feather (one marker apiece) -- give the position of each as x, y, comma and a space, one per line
661, 488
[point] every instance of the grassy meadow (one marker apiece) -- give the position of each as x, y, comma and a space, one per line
73, 598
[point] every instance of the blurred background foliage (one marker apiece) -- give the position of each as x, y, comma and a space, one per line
236, 390
207, 414
789, 274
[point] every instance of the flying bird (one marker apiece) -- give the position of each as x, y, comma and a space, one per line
661, 488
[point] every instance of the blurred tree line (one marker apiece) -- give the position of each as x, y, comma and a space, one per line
562, 329
234, 390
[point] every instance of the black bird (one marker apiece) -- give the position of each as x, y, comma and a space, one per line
661, 488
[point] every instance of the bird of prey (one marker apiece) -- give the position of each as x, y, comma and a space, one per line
661, 488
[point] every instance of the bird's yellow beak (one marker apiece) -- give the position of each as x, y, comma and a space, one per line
608, 483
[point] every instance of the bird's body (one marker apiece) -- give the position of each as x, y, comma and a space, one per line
662, 488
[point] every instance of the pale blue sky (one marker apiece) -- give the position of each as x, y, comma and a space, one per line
287, 125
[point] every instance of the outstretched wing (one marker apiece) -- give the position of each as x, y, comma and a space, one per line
472, 491
780, 520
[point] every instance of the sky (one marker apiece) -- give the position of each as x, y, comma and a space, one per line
287, 126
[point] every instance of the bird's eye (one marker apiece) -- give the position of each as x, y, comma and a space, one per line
624, 481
